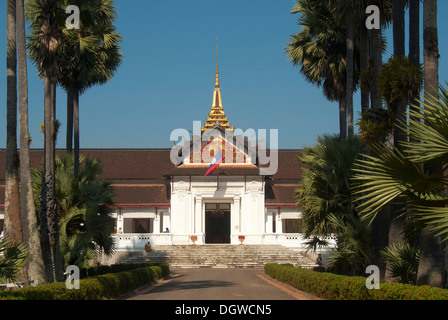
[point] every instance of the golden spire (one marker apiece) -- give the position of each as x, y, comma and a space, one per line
217, 114
217, 71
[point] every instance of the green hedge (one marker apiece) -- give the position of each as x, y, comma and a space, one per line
115, 268
106, 286
337, 287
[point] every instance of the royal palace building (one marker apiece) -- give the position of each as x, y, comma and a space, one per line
163, 196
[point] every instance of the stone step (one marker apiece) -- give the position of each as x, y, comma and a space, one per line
218, 256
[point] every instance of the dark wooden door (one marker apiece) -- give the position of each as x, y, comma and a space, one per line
217, 224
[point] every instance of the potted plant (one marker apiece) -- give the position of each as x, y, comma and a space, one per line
194, 239
241, 238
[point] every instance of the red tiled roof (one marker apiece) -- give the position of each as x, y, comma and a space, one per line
141, 194
289, 167
139, 176
280, 194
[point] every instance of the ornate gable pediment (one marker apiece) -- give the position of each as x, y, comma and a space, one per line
233, 151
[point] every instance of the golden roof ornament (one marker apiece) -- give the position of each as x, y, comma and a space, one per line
217, 116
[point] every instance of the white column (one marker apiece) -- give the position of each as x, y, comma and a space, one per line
165, 216
120, 222
156, 223
237, 213
198, 217
269, 223
278, 222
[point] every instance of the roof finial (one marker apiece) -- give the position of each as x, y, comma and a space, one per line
217, 116
217, 72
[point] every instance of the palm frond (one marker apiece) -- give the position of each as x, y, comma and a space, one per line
13, 257
402, 260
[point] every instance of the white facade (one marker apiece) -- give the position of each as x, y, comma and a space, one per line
247, 218
188, 203
186, 218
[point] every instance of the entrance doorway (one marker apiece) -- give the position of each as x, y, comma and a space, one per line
217, 223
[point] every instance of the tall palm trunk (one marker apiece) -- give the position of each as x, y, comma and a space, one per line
399, 50
380, 225
431, 268
72, 143
45, 213
69, 134
51, 252
377, 63
13, 224
414, 32
364, 65
76, 131
397, 223
35, 267
51, 189
342, 119
431, 47
414, 39
349, 99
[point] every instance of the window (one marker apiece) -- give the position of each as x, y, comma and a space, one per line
292, 226
224, 206
142, 225
217, 206
138, 225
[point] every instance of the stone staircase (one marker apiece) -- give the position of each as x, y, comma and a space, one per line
218, 256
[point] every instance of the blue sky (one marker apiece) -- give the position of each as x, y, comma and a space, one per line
167, 77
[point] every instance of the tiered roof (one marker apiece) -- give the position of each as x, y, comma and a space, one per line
217, 114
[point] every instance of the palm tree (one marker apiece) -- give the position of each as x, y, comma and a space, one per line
90, 56
13, 223
431, 47
399, 51
46, 18
84, 205
402, 259
325, 198
351, 14
414, 36
325, 187
377, 63
376, 51
320, 51
350, 70
431, 267
348, 19
353, 253
414, 32
398, 7
414, 176
35, 268
13, 256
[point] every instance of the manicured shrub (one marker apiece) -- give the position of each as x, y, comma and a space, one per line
115, 268
110, 285
338, 287
104, 286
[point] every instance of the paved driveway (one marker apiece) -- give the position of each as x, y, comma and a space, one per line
218, 284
